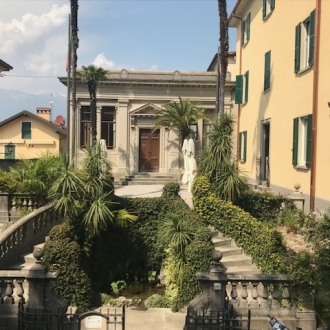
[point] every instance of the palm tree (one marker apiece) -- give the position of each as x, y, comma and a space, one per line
75, 40
87, 194
93, 75
217, 163
224, 47
179, 115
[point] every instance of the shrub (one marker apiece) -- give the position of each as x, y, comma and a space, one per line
64, 254
263, 206
171, 189
157, 301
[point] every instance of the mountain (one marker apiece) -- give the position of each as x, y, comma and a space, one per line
14, 101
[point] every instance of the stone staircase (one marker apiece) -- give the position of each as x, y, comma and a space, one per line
26, 261
233, 257
147, 178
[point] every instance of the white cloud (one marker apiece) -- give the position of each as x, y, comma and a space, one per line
103, 62
29, 28
154, 67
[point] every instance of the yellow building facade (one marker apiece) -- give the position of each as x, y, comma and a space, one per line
29, 136
281, 90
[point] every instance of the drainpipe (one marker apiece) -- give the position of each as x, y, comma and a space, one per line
315, 104
240, 105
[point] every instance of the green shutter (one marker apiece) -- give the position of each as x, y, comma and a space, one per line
246, 91
297, 49
311, 38
272, 5
26, 130
309, 140
267, 71
243, 32
248, 21
240, 145
239, 89
245, 141
295, 142
264, 6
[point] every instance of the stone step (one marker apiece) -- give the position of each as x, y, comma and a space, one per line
244, 270
151, 179
229, 250
221, 241
236, 260
144, 183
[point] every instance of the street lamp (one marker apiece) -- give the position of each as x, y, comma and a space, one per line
10, 149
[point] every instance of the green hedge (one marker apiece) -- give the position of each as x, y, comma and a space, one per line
262, 243
263, 205
88, 264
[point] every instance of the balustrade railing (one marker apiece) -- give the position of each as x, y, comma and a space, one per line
31, 229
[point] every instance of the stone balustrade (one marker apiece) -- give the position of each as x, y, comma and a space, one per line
13, 206
251, 297
21, 236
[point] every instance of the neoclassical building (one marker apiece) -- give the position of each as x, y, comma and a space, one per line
127, 103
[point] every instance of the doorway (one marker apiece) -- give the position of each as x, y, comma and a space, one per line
148, 150
265, 168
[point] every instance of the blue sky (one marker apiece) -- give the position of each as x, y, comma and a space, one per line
137, 34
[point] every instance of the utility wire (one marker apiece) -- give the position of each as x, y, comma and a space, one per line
34, 77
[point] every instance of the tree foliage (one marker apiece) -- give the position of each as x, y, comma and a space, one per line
93, 75
179, 115
216, 162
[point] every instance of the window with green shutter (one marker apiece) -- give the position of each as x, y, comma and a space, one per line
311, 38
242, 146
309, 141
295, 142
267, 71
242, 88
267, 7
239, 89
304, 44
246, 29
26, 130
246, 87
302, 141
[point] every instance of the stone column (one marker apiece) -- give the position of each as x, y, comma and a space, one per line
98, 122
4, 214
122, 137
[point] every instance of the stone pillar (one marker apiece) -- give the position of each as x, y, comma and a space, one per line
298, 198
4, 214
98, 122
213, 286
122, 137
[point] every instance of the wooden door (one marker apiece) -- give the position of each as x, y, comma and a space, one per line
149, 151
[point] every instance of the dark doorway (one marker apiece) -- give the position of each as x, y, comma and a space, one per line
149, 150
265, 169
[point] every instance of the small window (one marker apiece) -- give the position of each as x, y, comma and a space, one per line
246, 29
242, 88
304, 43
267, 71
267, 8
302, 141
26, 130
242, 146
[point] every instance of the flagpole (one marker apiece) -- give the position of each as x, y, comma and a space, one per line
217, 104
68, 132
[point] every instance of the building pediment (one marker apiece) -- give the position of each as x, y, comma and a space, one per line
147, 110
